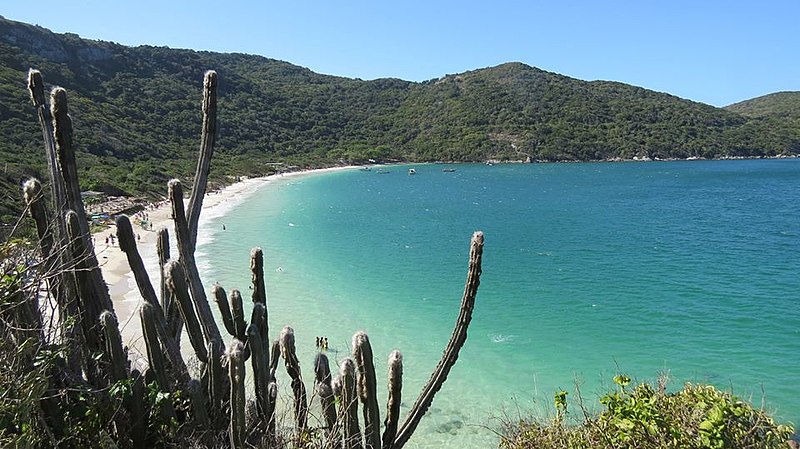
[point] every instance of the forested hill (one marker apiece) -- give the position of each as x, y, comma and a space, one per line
137, 120
779, 104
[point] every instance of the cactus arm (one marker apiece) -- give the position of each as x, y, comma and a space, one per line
367, 390
293, 369
236, 372
113, 340
237, 309
207, 137
275, 357
395, 398
127, 243
154, 356
260, 370
322, 383
348, 405
176, 282
62, 132
221, 298
450, 355
210, 329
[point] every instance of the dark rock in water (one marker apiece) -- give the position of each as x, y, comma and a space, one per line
450, 427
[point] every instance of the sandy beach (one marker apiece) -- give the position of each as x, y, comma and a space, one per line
114, 264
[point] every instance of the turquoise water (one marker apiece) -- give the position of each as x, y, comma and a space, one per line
685, 268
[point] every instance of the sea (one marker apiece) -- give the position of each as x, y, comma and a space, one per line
682, 270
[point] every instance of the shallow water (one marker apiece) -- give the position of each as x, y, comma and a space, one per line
685, 268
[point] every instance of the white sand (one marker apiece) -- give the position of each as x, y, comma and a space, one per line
114, 264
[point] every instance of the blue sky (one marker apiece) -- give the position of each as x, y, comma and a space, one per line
716, 52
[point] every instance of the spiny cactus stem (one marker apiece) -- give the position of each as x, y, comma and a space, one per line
198, 401
257, 271
36, 88
176, 282
136, 407
207, 138
114, 345
394, 400
219, 394
127, 243
32, 191
260, 293
259, 319
275, 357
367, 390
186, 251
322, 381
238, 315
221, 298
348, 403
450, 354
168, 305
260, 370
90, 304
62, 131
293, 369
154, 356
237, 373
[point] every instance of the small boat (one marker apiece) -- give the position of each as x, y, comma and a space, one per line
411, 171
448, 170
365, 169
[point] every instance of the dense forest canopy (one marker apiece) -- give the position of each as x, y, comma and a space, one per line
136, 115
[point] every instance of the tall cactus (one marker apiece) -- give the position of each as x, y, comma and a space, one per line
235, 355
169, 305
176, 283
260, 368
367, 390
136, 407
450, 354
154, 355
59, 195
395, 398
348, 405
219, 394
62, 132
322, 384
260, 315
220, 297
186, 252
237, 309
275, 356
127, 243
90, 305
36, 89
293, 369
207, 138
119, 363
198, 401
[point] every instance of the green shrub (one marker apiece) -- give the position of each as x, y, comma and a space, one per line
643, 417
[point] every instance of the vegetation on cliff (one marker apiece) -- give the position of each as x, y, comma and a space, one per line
648, 417
136, 122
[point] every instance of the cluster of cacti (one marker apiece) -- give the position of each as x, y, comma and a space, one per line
218, 400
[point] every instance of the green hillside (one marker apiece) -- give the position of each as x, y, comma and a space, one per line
779, 104
137, 120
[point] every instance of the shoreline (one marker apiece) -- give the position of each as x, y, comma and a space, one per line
113, 263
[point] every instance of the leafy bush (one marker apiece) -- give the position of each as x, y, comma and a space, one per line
643, 417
